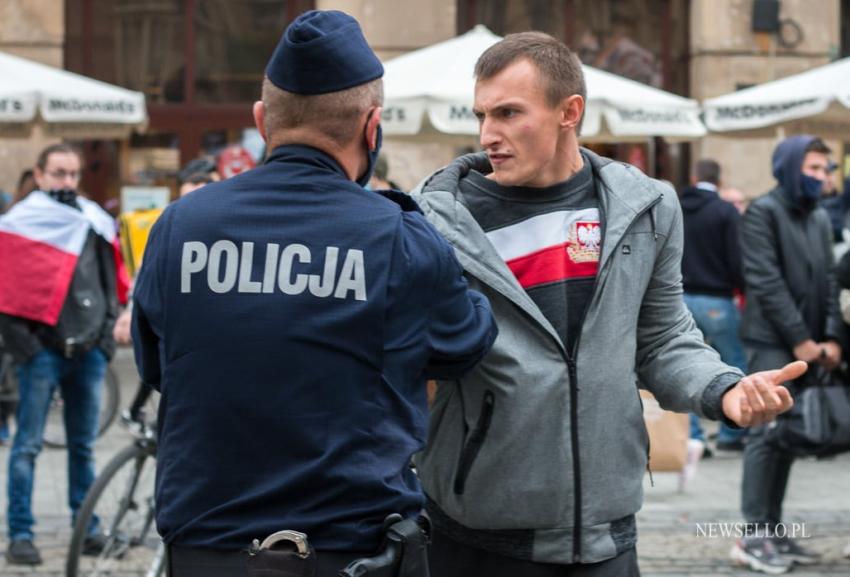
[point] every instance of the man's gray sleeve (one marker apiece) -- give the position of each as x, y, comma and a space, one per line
673, 361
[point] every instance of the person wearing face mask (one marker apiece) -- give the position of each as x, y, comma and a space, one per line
791, 313
58, 304
290, 319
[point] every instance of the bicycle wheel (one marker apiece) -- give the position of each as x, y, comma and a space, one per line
54, 429
122, 499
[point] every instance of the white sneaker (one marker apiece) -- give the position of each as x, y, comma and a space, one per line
846, 552
695, 450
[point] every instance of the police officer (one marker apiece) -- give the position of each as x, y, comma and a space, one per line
290, 319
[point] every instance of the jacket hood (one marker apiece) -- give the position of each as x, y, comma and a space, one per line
693, 198
787, 162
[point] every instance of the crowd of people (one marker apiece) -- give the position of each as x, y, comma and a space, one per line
306, 301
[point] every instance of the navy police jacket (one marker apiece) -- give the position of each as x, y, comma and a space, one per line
290, 318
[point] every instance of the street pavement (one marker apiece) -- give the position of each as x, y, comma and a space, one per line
673, 528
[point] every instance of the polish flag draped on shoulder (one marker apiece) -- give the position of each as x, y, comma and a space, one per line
40, 242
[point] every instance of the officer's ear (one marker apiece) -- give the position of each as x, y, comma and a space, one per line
372, 122
259, 111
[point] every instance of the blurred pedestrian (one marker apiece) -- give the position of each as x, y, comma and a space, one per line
58, 301
26, 184
791, 313
711, 273
836, 203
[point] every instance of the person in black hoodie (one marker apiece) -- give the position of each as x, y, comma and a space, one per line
791, 313
711, 273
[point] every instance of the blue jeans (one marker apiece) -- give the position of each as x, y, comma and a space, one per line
718, 319
81, 382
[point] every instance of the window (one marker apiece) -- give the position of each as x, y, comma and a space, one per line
152, 45
233, 41
137, 44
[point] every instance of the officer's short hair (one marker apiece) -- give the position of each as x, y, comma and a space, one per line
708, 171
333, 114
558, 66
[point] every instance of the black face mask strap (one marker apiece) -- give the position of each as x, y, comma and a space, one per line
371, 155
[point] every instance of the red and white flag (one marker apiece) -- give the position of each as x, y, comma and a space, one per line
40, 242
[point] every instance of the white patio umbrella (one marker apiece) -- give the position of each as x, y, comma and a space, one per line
66, 104
816, 101
431, 91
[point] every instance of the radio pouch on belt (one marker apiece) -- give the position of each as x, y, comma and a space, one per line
282, 554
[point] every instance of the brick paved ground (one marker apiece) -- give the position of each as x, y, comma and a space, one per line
819, 495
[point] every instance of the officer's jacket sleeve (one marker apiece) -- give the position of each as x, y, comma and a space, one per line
149, 302
461, 328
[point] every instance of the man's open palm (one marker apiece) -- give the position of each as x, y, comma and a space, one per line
759, 397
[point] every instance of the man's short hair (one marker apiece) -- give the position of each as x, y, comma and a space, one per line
333, 114
708, 170
818, 145
559, 67
61, 148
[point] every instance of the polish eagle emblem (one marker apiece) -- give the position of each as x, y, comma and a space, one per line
585, 240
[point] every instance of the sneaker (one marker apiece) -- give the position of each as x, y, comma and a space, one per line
23, 552
759, 555
846, 551
689, 471
793, 551
93, 545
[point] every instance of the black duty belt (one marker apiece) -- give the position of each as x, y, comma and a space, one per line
196, 562
404, 553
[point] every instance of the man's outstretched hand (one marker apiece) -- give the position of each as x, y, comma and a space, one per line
759, 397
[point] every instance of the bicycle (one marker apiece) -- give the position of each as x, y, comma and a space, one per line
54, 430
122, 498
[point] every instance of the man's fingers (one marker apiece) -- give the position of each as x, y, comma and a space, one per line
789, 372
746, 413
786, 398
752, 393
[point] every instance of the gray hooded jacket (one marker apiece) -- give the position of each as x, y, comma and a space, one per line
540, 454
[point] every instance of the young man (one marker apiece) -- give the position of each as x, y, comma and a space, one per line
711, 273
792, 313
58, 302
535, 459
290, 318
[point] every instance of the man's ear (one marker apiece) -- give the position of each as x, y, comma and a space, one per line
572, 110
259, 112
374, 119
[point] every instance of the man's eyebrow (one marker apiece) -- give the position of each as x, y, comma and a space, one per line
499, 106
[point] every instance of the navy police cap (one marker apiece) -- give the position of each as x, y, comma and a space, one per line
323, 51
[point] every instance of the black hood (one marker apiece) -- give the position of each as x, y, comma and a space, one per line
787, 162
693, 199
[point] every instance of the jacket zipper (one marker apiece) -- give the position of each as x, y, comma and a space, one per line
572, 364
